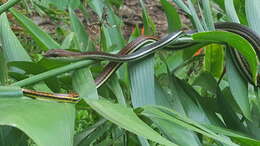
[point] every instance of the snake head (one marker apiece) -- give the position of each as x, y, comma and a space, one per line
59, 53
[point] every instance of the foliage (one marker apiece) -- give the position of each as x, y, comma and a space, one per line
170, 98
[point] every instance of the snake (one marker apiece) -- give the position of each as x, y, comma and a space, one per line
144, 46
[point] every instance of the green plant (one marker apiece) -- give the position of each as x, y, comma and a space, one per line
172, 98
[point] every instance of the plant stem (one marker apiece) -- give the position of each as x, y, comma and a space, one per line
54, 72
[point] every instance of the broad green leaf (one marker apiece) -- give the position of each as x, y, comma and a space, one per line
252, 14
12, 48
231, 11
84, 84
10, 136
161, 113
142, 82
214, 59
190, 100
173, 131
82, 37
127, 119
8, 5
241, 138
238, 87
221, 104
142, 85
236, 41
44, 41
173, 18
114, 85
46, 123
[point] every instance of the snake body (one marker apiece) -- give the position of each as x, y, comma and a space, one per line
149, 45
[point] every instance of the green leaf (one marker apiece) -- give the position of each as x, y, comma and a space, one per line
189, 100
44, 41
238, 87
221, 104
173, 131
162, 113
115, 87
241, 138
42, 121
13, 50
231, 11
208, 14
53, 72
8, 5
214, 60
149, 26
111, 24
127, 119
67, 42
81, 137
10, 91
10, 136
173, 18
252, 14
3, 68
182, 5
236, 41
84, 84
195, 17
81, 35
142, 82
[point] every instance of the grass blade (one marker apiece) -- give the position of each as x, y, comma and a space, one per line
182, 5
238, 87
82, 37
173, 18
8, 5
208, 14
252, 14
127, 119
231, 11
41, 38
84, 84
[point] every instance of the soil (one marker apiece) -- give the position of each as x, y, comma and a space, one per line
131, 14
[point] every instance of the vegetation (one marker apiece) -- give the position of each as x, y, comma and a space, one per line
170, 98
